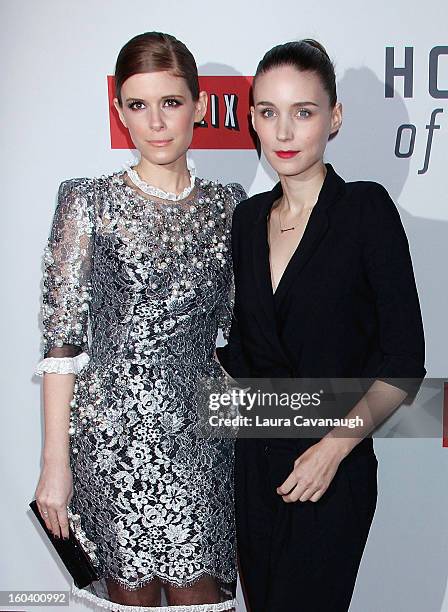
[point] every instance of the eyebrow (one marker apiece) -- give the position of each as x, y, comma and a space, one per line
163, 98
305, 103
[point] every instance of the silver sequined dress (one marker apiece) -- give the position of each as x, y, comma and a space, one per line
141, 286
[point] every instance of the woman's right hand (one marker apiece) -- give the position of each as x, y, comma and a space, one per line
53, 494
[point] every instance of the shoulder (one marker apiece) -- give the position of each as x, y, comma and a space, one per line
87, 186
377, 216
76, 192
215, 187
250, 205
76, 199
374, 204
248, 210
230, 194
84, 192
369, 194
370, 189
235, 191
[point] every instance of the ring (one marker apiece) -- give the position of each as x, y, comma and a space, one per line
45, 513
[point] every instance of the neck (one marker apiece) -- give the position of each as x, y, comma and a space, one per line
300, 192
173, 178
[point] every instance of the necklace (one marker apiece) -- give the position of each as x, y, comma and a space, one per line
155, 191
288, 229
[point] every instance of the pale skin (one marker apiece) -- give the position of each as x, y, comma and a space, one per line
159, 112
292, 113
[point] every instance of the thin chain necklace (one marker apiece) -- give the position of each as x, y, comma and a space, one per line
288, 229
155, 191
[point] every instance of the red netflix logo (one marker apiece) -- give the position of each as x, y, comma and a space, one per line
225, 126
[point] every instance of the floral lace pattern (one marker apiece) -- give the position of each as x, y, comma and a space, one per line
142, 286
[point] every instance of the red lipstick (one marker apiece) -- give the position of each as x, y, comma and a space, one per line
286, 154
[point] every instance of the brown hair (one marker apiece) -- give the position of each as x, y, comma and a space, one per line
306, 55
154, 52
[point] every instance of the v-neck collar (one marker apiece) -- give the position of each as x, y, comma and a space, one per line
331, 190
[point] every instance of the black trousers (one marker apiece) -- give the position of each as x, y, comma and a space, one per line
302, 556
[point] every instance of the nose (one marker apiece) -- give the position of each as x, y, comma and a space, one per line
284, 129
155, 119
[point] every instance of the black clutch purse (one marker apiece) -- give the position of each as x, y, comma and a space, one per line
71, 553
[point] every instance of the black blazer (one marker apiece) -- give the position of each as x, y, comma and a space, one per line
346, 305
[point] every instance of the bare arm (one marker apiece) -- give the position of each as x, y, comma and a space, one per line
54, 489
380, 401
58, 393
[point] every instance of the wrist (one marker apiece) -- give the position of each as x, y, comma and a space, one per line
53, 459
339, 447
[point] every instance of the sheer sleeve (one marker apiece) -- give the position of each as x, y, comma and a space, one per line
234, 193
66, 283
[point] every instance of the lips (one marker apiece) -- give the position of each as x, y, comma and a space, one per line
286, 154
159, 143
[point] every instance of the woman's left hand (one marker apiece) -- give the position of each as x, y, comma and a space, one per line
313, 472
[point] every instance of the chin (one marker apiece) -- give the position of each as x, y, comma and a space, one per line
293, 167
161, 158
286, 168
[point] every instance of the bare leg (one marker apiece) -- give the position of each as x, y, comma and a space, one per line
148, 595
204, 591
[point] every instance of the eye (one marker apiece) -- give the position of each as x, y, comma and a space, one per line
303, 113
135, 106
267, 112
172, 102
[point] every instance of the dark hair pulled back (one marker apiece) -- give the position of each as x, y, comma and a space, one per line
156, 52
305, 55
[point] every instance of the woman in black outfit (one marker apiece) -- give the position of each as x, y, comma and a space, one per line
324, 288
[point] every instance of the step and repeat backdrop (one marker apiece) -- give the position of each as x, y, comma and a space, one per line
58, 122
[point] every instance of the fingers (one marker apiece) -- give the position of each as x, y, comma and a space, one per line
294, 488
63, 522
317, 495
311, 476
56, 519
289, 484
300, 487
295, 482
53, 516
303, 493
312, 494
44, 514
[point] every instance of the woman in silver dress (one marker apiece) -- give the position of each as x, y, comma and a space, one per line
137, 282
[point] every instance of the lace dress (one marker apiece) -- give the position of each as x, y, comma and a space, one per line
135, 289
